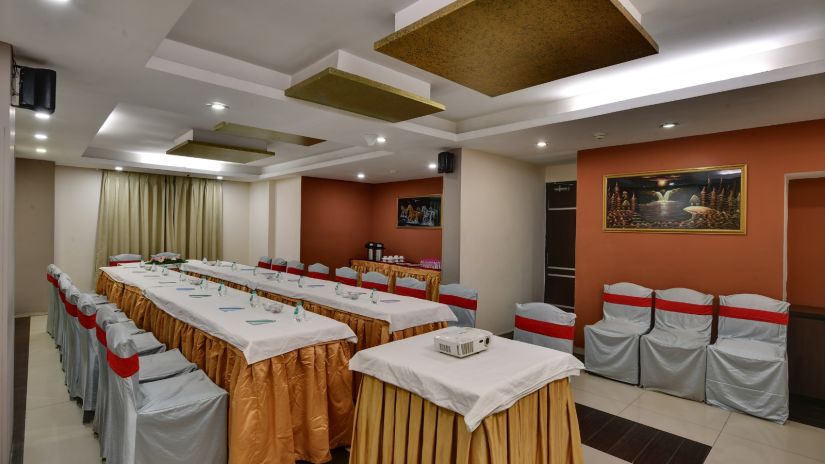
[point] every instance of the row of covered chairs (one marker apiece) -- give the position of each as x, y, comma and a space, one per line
147, 404
462, 301
746, 368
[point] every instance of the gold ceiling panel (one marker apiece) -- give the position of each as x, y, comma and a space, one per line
356, 94
266, 134
219, 152
498, 47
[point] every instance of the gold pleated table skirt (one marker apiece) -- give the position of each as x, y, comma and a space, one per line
394, 271
395, 426
295, 406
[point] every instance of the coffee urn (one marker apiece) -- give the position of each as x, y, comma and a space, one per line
379, 251
370, 246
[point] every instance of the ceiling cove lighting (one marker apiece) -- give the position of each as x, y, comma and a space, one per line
668, 125
218, 106
541, 144
41, 136
42, 115
118, 168
432, 166
40, 150
361, 175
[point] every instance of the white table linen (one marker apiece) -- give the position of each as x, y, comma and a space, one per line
257, 342
476, 386
401, 312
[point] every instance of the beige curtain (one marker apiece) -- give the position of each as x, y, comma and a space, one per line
148, 213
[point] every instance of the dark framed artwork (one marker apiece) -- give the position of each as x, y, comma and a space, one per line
421, 212
709, 200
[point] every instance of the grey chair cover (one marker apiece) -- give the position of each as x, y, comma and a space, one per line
64, 284
346, 275
318, 271
462, 301
748, 365
294, 267
265, 262
89, 365
181, 419
673, 355
54, 273
73, 355
166, 255
108, 315
375, 280
611, 346
544, 325
410, 286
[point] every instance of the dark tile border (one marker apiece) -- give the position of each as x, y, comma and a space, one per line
21, 376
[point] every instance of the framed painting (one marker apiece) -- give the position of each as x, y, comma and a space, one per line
421, 212
710, 200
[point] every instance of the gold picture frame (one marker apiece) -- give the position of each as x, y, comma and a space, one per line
418, 212
704, 200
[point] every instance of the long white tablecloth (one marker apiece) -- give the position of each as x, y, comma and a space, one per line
257, 342
475, 386
401, 312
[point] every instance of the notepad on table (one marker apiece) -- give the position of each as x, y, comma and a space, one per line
199, 296
186, 289
260, 321
315, 285
227, 309
390, 301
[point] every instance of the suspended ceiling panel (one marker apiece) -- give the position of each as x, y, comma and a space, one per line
219, 152
265, 134
357, 94
497, 47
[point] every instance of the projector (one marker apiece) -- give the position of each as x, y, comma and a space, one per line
462, 341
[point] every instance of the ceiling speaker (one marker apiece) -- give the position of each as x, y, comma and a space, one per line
446, 162
36, 89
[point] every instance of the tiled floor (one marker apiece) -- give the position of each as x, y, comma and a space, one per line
54, 431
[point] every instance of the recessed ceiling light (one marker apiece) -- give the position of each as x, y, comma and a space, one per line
541, 144
599, 135
669, 125
118, 168
218, 106
41, 136
361, 175
219, 177
380, 139
40, 150
432, 166
42, 115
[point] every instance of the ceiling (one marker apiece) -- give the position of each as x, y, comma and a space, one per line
135, 76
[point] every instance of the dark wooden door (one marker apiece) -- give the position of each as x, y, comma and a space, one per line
560, 245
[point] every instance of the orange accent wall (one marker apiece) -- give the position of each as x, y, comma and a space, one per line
339, 217
806, 242
717, 264
335, 221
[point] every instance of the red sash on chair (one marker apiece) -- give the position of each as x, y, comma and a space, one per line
453, 300
279, 267
294, 270
413, 292
544, 328
88, 322
626, 300
101, 335
124, 367
264, 265
757, 315
684, 308
347, 280
318, 275
374, 285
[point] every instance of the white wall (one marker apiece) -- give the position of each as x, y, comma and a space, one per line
502, 235
236, 222
76, 201
287, 237
560, 172
6, 254
259, 214
451, 225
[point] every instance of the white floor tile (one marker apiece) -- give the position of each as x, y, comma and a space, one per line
622, 394
680, 408
594, 456
597, 401
670, 424
37, 324
55, 434
730, 449
793, 437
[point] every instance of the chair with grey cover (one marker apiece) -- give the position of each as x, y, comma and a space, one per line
181, 419
673, 356
544, 325
611, 346
748, 365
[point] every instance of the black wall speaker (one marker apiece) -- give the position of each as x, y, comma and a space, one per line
446, 162
36, 89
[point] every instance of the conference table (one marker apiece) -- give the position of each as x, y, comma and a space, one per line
509, 404
290, 389
393, 317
